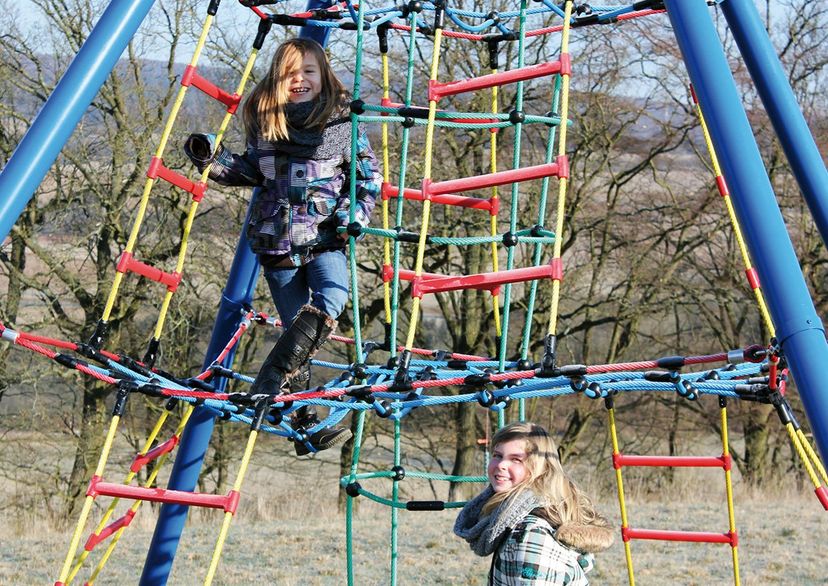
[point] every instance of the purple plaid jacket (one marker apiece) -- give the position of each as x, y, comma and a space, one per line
303, 200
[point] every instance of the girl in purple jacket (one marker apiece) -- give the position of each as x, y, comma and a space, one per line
298, 152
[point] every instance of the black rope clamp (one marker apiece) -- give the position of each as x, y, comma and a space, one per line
685, 389
486, 398
360, 393
383, 409
353, 489
399, 473
594, 391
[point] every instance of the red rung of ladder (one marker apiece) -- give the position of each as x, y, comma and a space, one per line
128, 263
190, 77
157, 170
492, 205
228, 502
486, 281
723, 461
95, 539
559, 168
408, 275
437, 91
142, 460
730, 537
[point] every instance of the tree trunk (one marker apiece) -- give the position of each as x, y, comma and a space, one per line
756, 469
90, 441
465, 452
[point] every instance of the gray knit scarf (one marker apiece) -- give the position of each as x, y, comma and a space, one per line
329, 142
484, 534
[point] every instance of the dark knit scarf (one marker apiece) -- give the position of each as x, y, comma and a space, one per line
329, 142
484, 534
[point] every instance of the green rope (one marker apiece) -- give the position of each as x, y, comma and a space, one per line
536, 258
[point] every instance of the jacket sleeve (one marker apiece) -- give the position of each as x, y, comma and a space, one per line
531, 556
368, 185
227, 168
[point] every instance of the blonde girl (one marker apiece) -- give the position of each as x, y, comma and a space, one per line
539, 526
298, 152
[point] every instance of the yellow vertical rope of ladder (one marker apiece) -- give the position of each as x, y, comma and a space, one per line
228, 515
760, 299
182, 253
731, 515
156, 469
87, 504
495, 198
562, 182
142, 207
429, 143
386, 171
800, 442
621, 501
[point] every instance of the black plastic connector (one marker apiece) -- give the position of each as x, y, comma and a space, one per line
354, 229
670, 362
360, 393
357, 107
517, 117
661, 376
425, 505
67, 361
548, 368
265, 25
494, 53
510, 239
352, 489
408, 122
98, 337
399, 473
151, 355
212, 9
382, 37
125, 387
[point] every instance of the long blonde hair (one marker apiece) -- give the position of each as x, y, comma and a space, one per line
563, 500
264, 110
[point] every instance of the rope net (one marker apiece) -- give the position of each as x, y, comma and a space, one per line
408, 377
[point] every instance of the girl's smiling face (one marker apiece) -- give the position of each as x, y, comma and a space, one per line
305, 83
507, 468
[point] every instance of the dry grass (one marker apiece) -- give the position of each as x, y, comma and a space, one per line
288, 532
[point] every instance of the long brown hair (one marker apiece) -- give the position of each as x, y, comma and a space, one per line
563, 500
264, 110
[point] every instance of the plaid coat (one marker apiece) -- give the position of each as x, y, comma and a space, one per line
303, 200
530, 555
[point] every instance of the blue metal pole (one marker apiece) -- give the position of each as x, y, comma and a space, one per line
317, 33
238, 293
782, 107
66, 105
798, 327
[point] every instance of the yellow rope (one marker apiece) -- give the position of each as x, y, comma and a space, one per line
87, 505
731, 514
495, 201
798, 439
228, 516
182, 252
737, 230
159, 152
429, 147
621, 501
562, 183
150, 481
386, 167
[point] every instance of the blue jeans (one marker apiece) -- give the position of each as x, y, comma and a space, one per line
323, 283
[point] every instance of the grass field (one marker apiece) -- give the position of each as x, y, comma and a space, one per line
288, 532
